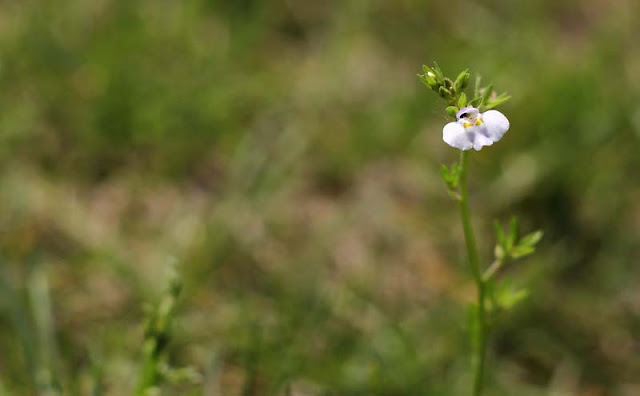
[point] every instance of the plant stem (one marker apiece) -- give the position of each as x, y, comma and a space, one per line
478, 335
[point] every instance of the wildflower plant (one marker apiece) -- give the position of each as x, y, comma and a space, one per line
476, 125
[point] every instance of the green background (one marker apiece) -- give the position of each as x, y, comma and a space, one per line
285, 155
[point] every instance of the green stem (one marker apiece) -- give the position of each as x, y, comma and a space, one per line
479, 327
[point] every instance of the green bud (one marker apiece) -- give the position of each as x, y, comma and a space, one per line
445, 93
429, 80
462, 81
462, 100
448, 84
452, 111
427, 70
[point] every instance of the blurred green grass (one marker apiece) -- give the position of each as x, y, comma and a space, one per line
285, 154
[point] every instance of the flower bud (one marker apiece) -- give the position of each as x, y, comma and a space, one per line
427, 70
445, 93
452, 111
448, 84
429, 80
462, 81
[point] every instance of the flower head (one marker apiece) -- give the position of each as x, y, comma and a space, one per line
476, 130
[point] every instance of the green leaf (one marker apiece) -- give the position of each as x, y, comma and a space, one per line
531, 239
438, 72
476, 90
526, 245
451, 176
521, 251
500, 236
462, 100
475, 102
428, 81
504, 295
444, 173
452, 111
497, 101
487, 93
509, 297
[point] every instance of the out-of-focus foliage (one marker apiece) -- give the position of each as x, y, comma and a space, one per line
286, 155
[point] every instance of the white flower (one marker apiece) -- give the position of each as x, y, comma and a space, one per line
476, 130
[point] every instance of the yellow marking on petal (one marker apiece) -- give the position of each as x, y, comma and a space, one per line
467, 124
478, 122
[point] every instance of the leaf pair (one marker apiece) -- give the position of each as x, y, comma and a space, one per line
510, 246
504, 296
451, 177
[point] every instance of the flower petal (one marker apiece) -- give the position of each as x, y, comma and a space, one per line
455, 136
479, 140
495, 123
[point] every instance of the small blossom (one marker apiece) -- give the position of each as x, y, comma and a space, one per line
476, 130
